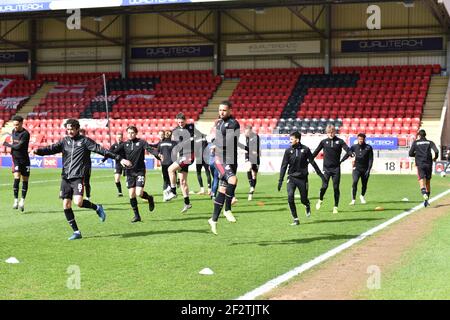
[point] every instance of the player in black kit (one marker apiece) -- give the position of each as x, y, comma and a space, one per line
421, 150
87, 174
332, 149
74, 148
183, 134
165, 148
21, 160
201, 158
297, 157
118, 169
252, 158
362, 165
226, 141
134, 150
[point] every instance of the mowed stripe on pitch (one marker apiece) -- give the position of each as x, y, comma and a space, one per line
272, 284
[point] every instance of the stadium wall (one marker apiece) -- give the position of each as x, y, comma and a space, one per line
63, 50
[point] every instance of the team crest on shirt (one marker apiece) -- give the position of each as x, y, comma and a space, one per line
227, 167
137, 144
79, 144
326, 142
337, 142
302, 151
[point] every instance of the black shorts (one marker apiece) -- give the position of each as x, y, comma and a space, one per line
119, 170
424, 172
226, 171
23, 168
71, 187
185, 161
135, 180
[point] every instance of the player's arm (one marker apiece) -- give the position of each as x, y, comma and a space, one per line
111, 149
347, 155
318, 149
412, 151
436, 151
314, 164
346, 148
24, 139
152, 150
370, 159
49, 150
95, 147
284, 166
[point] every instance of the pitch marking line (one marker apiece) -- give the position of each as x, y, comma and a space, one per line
308, 265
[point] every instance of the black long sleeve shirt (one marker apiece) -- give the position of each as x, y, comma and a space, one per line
297, 158
363, 156
332, 149
226, 140
421, 150
19, 146
74, 154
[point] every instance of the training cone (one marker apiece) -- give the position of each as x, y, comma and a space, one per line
12, 260
405, 199
206, 271
379, 209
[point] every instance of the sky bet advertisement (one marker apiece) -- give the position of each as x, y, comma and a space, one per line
56, 162
10, 6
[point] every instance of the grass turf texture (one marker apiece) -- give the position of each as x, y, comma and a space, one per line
423, 272
160, 258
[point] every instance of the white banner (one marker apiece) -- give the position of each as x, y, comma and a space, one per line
4, 83
68, 89
12, 103
89, 123
140, 96
269, 48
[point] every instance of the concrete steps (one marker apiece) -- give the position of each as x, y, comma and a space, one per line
210, 114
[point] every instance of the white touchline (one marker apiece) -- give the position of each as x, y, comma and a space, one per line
308, 265
45, 181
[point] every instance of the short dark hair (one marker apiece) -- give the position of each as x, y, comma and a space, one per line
296, 134
74, 123
362, 135
180, 116
227, 103
422, 133
135, 130
17, 118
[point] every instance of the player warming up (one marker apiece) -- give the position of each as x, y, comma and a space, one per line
252, 158
134, 150
332, 149
21, 160
421, 151
226, 142
74, 148
297, 157
362, 165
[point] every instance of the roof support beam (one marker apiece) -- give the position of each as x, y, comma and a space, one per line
313, 26
186, 26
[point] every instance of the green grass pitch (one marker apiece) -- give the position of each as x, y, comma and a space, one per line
161, 257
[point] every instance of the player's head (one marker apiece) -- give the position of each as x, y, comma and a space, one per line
331, 131
225, 109
361, 138
248, 131
72, 127
17, 123
119, 137
181, 119
421, 134
161, 134
132, 132
168, 134
295, 138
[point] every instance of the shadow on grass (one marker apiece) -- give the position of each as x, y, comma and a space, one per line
328, 237
344, 220
148, 233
